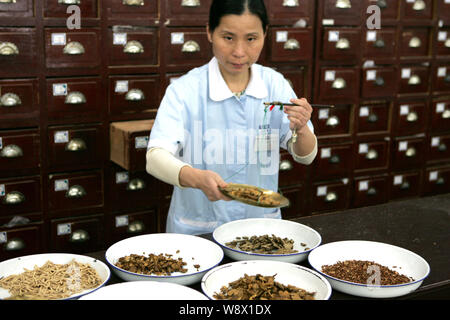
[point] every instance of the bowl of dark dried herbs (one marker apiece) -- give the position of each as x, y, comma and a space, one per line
264, 280
266, 239
369, 269
168, 257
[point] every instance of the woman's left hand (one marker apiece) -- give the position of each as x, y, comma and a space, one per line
298, 115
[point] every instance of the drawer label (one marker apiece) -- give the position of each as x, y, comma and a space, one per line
371, 36
333, 36
58, 39
1, 143
325, 153
62, 185
330, 75
177, 38
121, 86
440, 107
60, 89
371, 75
121, 221
442, 36
63, 229
282, 36
364, 111
406, 73
398, 180
321, 191
61, 137
119, 38
363, 148
2, 190
3, 237
433, 176
435, 141
141, 142
363, 185
442, 72
324, 113
122, 177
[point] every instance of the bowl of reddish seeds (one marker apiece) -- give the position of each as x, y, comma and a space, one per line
369, 269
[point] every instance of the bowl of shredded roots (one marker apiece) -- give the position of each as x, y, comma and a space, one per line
53, 276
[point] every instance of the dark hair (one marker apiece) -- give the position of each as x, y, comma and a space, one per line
220, 8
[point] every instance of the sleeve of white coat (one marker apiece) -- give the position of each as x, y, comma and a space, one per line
306, 160
164, 166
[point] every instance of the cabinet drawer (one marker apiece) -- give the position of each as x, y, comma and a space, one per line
370, 191
75, 146
187, 47
414, 80
19, 150
18, 50
405, 185
20, 241
77, 235
291, 10
20, 196
291, 172
333, 160
297, 78
341, 44
186, 10
373, 118
436, 180
66, 49
297, 200
131, 9
339, 85
132, 191
289, 44
19, 104
415, 42
439, 147
73, 192
58, 8
74, 99
343, 11
410, 117
127, 225
441, 79
133, 46
443, 42
330, 196
332, 122
372, 155
440, 115
418, 9
408, 153
17, 9
443, 11
379, 82
133, 94
389, 8
380, 44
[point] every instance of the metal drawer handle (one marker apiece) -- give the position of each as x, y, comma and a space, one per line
290, 3
133, 2
11, 151
136, 227
405, 185
419, 5
335, 159
414, 80
415, 42
10, 100
75, 192
372, 191
291, 44
442, 147
190, 46
8, 49
190, 3
343, 44
446, 114
447, 78
73, 48
286, 165
379, 81
379, 43
7, 1
440, 181
331, 197
133, 47
135, 95
136, 185
371, 154
372, 118
15, 244
79, 236
382, 4
332, 121
447, 43
14, 197
411, 152
412, 117
75, 97
76, 145
343, 4
339, 84
69, 2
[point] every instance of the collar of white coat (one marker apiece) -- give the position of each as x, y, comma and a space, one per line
218, 89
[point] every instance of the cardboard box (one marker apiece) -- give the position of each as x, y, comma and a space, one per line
128, 143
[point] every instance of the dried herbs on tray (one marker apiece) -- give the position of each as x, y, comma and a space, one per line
259, 287
161, 265
264, 244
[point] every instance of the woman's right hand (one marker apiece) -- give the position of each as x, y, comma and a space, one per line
205, 180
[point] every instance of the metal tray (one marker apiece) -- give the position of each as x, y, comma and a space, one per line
255, 196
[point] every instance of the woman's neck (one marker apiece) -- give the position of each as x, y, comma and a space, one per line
238, 82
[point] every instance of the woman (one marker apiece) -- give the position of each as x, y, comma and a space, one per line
212, 126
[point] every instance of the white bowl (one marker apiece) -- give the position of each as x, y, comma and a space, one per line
145, 290
395, 258
261, 226
18, 265
286, 273
194, 250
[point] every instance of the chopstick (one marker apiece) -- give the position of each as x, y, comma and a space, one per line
277, 103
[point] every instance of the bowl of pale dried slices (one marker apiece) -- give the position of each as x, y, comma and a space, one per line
266, 239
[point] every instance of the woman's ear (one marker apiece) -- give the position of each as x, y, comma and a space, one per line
208, 33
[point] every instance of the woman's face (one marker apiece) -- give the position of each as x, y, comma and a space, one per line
237, 42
